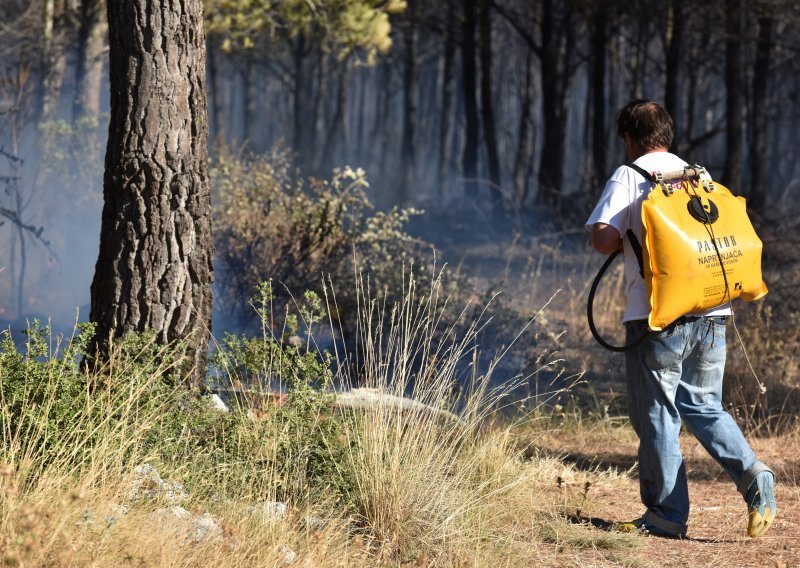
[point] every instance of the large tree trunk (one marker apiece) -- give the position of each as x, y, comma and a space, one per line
154, 269
487, 108
469, 158
732, 172
89, 67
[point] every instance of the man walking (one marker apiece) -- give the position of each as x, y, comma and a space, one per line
674, 375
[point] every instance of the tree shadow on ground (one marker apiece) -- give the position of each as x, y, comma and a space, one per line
699, 468
609, 526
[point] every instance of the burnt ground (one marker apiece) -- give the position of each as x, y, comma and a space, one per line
718, 520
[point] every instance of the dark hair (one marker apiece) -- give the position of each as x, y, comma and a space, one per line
647, 122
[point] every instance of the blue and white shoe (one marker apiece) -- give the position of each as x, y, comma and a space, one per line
761, 508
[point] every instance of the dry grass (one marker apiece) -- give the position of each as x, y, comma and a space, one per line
420, 489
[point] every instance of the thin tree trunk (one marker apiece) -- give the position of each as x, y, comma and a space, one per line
674, 53
410, 104
89, 66
487, 108
54, 62
469, 157
448, 87
759, 150
555, 87
599, 79
335, 136
216, 90
154, 268
252, 91
301, 98
732, 171
524, 151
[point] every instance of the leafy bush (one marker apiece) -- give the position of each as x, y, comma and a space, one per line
270, 224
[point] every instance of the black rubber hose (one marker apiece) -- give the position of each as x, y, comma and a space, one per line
590, 316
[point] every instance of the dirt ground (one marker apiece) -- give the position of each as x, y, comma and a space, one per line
718, 520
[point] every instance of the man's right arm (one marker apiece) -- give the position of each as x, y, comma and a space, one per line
605, 238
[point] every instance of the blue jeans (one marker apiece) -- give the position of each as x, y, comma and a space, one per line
675, 375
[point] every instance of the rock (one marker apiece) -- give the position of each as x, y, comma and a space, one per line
110, 514
205, 527
218, 404
316, 523
169, 514
115, 514
148, 485
288, 556
269, 510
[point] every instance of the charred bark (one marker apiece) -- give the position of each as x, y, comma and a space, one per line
154, 270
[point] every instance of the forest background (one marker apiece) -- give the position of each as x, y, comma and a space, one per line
495, 118
354, 143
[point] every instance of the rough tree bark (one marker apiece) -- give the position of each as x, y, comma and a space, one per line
154, 270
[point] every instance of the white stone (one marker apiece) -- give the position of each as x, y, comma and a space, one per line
269, 509
148, 485
287, 554
205, 527
218, 404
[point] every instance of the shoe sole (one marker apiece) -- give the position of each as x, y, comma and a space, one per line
758, 523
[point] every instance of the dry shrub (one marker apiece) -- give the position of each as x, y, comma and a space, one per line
272, 224
770, 338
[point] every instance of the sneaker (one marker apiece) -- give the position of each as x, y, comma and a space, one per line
761, 508
639, 526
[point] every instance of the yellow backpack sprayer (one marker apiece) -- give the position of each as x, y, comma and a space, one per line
699, 249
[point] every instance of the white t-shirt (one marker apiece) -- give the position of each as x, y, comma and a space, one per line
620, 206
